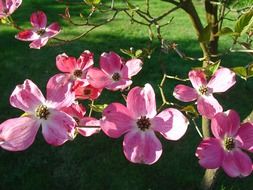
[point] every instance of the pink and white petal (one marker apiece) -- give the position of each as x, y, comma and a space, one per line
197, 78
222, 80
208, 106
27, 35
171, 123
26, 96
225, 124
76, 110
85, 60
142, 147
38, 20
110, 63
12, 5
210, 153
116, 120
97, 78
37, 44
133, 67
185, 93
141, 101
245, 136
88, 131
18, 134
119, 85
237, 164
58, 128
52, 30
92, 126
65, 63
220, 125
234, 120
59, 93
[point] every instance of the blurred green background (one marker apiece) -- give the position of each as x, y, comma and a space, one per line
98, 162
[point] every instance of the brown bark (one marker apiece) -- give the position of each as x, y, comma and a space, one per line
212, 19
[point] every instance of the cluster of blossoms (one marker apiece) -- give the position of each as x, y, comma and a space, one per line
224, 149
62, 116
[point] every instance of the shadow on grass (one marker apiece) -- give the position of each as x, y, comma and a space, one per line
98, 162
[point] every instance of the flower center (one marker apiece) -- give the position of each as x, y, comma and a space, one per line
143, 123
42, 112
203, 90
229, 143
87, 92
116, 76
78, 73
40, 32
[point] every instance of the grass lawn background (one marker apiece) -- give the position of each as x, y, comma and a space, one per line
98, 162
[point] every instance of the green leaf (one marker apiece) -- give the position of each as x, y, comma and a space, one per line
244, 22
205, 34
190, 109
250, 70
98, 107
92, 2
241, 72
225, 31
213, 68
138, 53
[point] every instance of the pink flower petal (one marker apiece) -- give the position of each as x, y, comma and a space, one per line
39, 20
12, 5
110, 63
141, 101
27, 35
92, 126
76, 110
222, 80
26, 96
210, 153
225, 124
59, 91
171, 123
37, 44
197, 78
85, 61
87, 92
58, 128
52, 30
185, 93
142, 147
208, 106
119, 85
97, 78
133, 67
65, 63
237, 164
245, 135
117, 120
18, 134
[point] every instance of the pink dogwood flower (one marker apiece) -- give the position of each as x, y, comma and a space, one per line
57, 127
86, 126
114, 73
139, 121
202, 90
87, 92
224, 149
75, 70
7, 7
39, 34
